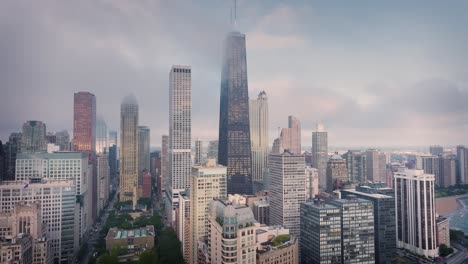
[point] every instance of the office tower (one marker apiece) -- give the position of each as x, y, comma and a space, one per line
384, 224
183, 227
357, 229
103, 174
2, 162
337, 173
447, 172
213, 150
84, 140
101, 136
287, 186
234, 126
165, 164
198, 152
112, 138
357, 166
232, 233
312, 185
291, 137
382, 167
320, 233
113, 168
436, 150
259, 135
143, 152
128, 148
462, 165
320, 154
51, 138
415, 218
58, 203
376, 166
73, 166
62, 138
146, 184
33, 137
155, 163
206, 183
180, 108
84, 123
25, 219
12, 148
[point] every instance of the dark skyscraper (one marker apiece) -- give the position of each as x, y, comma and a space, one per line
234, 131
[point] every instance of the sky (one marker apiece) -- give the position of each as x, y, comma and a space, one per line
377, 73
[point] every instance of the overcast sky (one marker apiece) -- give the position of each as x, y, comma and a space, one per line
378, 73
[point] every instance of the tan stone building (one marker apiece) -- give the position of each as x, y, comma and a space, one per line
18, 250
443, 231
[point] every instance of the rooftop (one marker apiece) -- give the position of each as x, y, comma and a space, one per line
115, 233
373, 195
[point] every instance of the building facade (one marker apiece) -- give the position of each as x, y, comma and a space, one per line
198, 152
320, 154
287, 188
291, 137
128, 148
103, 174
259, 136
234, 147
415, 212
102, 142
143, 152
33, 137
337, 173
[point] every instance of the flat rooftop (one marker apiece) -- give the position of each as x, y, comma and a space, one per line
115, 233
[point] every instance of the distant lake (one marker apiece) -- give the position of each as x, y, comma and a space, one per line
459, 218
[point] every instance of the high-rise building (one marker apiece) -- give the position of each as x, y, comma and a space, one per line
143, 152
277, 147
462, 165
58, 203
198, 152
213, 150
320, 233
84, 140
33, 137
320, 154
436, 150
447, 172
12, 148
165, 164
101, 136
357, 166
357, 229
180, 122
415, 212
17, 250
206, 183
113, 139
146, 184
103, 181
259, 135
291, 137
261, 211
376, 166
73, 166
337, 173
128, 148
234, 126
113, 167
287, 186
312, 185
183, 226
384, 224
62, 138
443, 231
2, 162
232, 234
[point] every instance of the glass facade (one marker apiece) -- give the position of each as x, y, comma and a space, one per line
234, 149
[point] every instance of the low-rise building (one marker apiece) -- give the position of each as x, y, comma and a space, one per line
135, 240
276, 245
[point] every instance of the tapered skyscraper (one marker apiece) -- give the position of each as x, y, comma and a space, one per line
128, 148
259, 135
234, 149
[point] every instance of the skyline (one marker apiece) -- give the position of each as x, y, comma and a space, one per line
417, 96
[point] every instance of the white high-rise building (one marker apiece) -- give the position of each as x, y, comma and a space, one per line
415, 212
58, 205
320, 154
73, 166
259, 137
291, 137
206, 183
180, 108
288, 190
312, 185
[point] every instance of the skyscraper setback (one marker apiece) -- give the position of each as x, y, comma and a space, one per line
234, 128
128, 148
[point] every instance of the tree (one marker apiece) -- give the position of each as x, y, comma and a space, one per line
108, 259
146, 201
148, 257
444, 250
169, 248
456, 234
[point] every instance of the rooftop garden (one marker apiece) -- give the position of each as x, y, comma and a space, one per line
279, 240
